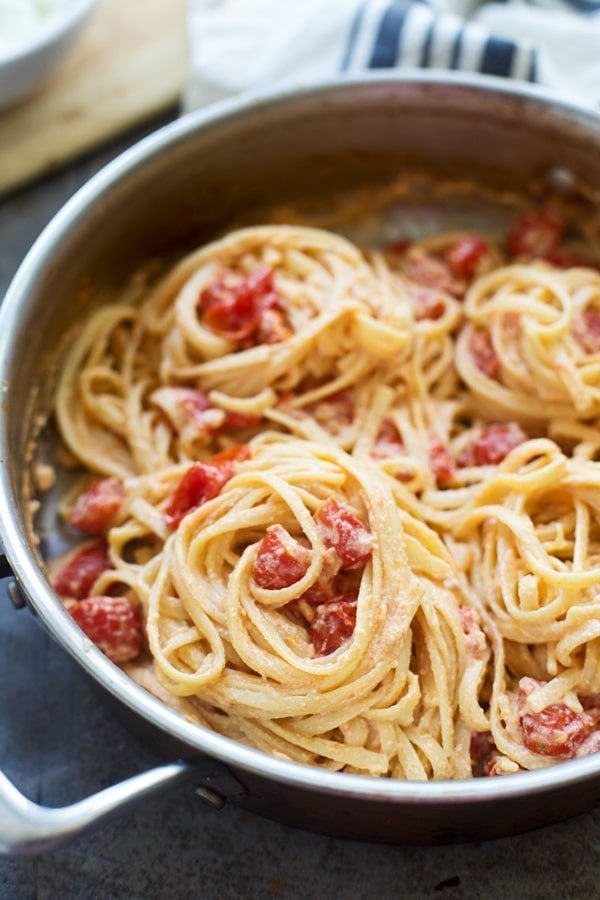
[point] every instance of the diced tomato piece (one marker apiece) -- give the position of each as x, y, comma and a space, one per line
589, 745
235, 307
480, 747
427, 302
586, 329
556, 730
113, 624
281, 560
184, 406
493, 445
334, 624
491, 767
398, 247
442, 464
388, 442
194, 403
564, 259
432, 272
97, 507
226, 460
475, 638
535, 234
336, 409
467, 255
329, 585
239, 420
483, 353
343, 531
202, 482
273, 328
79, 574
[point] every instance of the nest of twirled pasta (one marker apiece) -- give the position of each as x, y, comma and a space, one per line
350, 505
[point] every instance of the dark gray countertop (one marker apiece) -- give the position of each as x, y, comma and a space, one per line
59, 743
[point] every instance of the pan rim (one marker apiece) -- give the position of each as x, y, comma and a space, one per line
14, 538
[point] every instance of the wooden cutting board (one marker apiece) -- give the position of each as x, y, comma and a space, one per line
127, 65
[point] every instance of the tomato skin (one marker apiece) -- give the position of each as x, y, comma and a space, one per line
397, 248
535, 234
554, 731
272, 328
428, 304
483, 353
112, 623
184, 406
442, 464
475, 638
97, 507
432, 272
586, 330
467, 254
493, 445
79, 574
245, 310
334, 624
343, 531
334, 411
226, 460
564, 259
388, 442
202, 482
280, 561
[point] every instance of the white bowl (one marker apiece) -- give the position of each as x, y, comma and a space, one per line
25, 68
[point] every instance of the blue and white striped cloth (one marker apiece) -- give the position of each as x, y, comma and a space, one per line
240, 45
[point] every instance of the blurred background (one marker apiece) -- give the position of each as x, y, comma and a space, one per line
76, 73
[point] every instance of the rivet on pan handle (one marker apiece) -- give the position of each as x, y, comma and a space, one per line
14, 591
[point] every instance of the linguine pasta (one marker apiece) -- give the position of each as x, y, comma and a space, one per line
354, 496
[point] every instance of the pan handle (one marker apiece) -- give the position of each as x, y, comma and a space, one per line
27, 828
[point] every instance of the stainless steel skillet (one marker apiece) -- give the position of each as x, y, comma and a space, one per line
172, 191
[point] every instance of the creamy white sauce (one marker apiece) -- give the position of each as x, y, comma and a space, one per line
20, 20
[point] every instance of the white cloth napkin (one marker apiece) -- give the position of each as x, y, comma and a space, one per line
241, 45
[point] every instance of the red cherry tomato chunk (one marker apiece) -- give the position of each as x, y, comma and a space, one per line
535, 234
227, 460
483, 353
467, 254
245, 310
197, 404
184, 406
586, 329
343, 531
493, 445
334, 410
272, 328
556, 730
79, 574
334, 624
431, 272
201, 483
480, 747
112, 624
281, 560
564, 259
427, 302
397, 248
97, 507
442, 464
388, 442
475, 638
